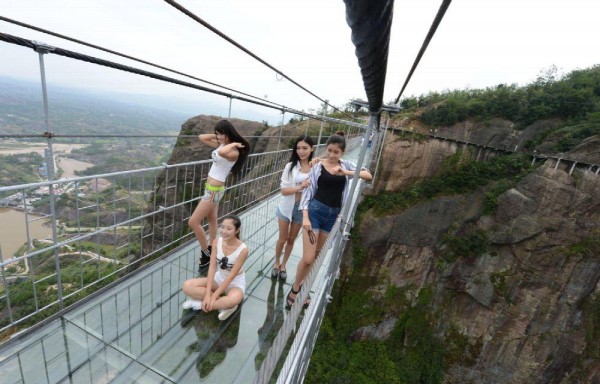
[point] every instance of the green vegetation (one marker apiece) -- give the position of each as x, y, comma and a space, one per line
589, 247
459, 175
411, 354
120, 155
591, 311
491, 198
19, 168
573, 98
470, 243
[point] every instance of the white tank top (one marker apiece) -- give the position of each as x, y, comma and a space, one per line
220, 167
300, 177
227, 260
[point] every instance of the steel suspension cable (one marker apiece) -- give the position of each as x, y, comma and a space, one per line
21, 24
246, 50
94, 60
432, 29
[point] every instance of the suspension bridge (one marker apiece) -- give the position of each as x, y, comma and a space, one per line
88, 320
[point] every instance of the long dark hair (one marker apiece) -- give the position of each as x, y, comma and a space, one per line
294, 159
226, 128
337, 139
237, 223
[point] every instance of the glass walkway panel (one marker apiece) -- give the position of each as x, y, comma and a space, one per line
137, 332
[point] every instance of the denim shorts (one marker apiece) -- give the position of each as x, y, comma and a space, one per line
213, 194
322, 217
296, 214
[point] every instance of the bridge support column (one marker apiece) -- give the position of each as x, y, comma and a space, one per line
557, 162
572, 167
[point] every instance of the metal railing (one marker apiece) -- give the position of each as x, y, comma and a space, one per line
107, 226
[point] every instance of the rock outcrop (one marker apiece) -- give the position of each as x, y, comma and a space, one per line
530, 304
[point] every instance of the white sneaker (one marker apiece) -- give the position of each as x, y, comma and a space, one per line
225, 313
196, 305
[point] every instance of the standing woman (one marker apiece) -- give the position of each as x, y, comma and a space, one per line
230, 278
294, 180
321, 203
229, 156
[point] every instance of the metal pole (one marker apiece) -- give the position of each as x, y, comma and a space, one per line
50, 166
321, 129
280, 130
229, 113
361, 157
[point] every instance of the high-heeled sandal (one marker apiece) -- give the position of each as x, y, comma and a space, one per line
288, 300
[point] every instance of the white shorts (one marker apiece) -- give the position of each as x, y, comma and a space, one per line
238, 282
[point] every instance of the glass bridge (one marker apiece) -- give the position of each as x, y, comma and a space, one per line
135, 330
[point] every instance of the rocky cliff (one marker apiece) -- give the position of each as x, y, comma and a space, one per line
514, 293
176, 185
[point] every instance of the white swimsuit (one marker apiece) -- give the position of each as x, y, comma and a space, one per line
238, 281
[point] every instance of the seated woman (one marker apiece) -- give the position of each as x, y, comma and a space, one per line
225, 274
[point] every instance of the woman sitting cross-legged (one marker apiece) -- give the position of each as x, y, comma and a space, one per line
225, 274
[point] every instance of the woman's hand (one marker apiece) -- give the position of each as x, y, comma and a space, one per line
207, 302
314, 161
306, 224
305, 184
210, 304
338, 170
238, 145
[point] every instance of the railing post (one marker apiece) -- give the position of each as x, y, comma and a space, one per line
229, 113
42, 49
321, 129
280, 129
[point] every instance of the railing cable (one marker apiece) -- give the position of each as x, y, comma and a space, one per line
246, 50
21, 24
94, 60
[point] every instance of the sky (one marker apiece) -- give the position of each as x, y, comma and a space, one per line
478, 44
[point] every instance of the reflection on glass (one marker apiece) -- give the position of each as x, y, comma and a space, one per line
211, 345
272, 324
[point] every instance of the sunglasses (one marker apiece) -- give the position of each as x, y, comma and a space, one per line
223, 262
311, 236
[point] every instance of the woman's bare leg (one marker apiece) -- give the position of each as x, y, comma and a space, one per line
204, 209
283, 236
289, 244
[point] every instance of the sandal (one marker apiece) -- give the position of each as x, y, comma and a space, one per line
282, 275
288, 300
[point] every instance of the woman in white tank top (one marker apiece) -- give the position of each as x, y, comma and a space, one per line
229, 156
294, 179
225, 274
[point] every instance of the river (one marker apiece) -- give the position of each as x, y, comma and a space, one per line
13, 232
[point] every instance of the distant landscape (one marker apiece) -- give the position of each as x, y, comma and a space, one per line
72, 112
78, 113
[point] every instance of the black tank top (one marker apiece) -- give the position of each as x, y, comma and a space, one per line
330, 189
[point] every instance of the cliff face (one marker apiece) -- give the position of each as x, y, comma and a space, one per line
528, 308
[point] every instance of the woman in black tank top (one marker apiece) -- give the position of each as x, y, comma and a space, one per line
321, 203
